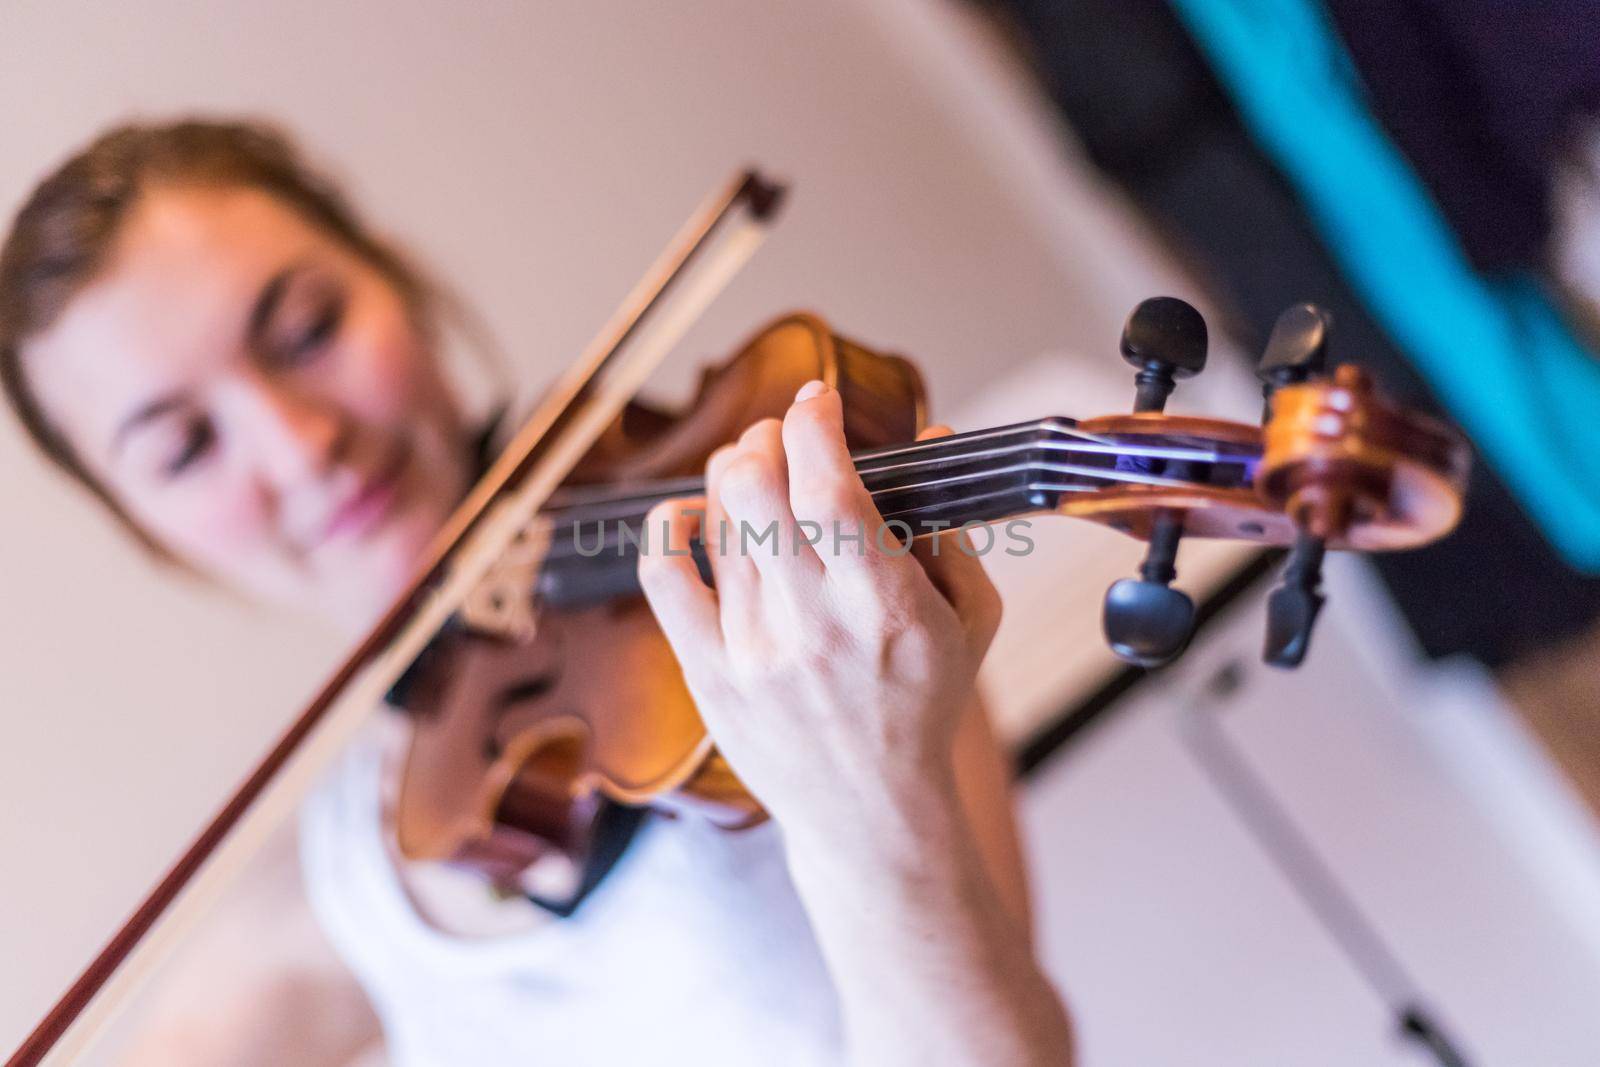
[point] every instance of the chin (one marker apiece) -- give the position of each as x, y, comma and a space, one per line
398, 558
374, 574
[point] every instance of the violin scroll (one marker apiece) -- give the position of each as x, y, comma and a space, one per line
1334, 465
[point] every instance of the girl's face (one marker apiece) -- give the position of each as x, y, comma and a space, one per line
259, 399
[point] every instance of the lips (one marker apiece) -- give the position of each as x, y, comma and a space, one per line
366, 509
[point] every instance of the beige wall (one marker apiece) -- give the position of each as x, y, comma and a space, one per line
537, 154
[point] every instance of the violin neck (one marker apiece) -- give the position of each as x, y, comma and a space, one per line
920, 489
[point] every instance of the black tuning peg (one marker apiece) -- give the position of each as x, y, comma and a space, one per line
1297, 350
1147, 622
1165, 338
1292, 607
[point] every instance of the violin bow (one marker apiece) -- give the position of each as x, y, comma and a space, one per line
699, 262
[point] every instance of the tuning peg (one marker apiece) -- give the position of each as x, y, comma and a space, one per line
1147, 622
1292, 607
1297, 350
1165, 338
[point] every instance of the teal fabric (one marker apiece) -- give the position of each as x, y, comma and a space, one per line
1496, 352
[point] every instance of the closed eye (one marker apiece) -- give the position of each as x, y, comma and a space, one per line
316, 333
199, 437
298, 311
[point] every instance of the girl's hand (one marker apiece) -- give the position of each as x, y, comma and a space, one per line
832, 674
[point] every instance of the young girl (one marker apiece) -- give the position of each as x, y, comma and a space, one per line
200, 331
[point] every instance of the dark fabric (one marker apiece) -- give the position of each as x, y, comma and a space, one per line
1138, 94
615, 829
1483, 97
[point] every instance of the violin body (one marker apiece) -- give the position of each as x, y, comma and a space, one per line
519, 733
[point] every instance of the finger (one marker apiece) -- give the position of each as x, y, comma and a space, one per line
686, 609
825, 489
952, 563
732, 570
755, 492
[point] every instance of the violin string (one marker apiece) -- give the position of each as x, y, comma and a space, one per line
933, 449
634, 520
634, 517
588, 505
1084, 448
928, 452
1047, 432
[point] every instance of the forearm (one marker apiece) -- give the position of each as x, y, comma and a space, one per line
929, 965
827, 679
984, 780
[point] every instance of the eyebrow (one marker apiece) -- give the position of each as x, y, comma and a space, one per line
261, 312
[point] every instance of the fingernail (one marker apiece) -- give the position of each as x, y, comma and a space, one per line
811, 389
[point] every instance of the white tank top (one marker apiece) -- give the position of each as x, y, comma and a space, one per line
694, 950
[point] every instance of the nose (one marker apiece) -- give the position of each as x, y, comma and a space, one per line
297, 436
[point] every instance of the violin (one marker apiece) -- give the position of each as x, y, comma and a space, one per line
554, 688
540, 691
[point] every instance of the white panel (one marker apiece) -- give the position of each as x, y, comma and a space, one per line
1419, 792
1172, 936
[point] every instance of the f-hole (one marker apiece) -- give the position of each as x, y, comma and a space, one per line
541, 797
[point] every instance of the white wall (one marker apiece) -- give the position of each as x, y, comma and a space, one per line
537, 155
